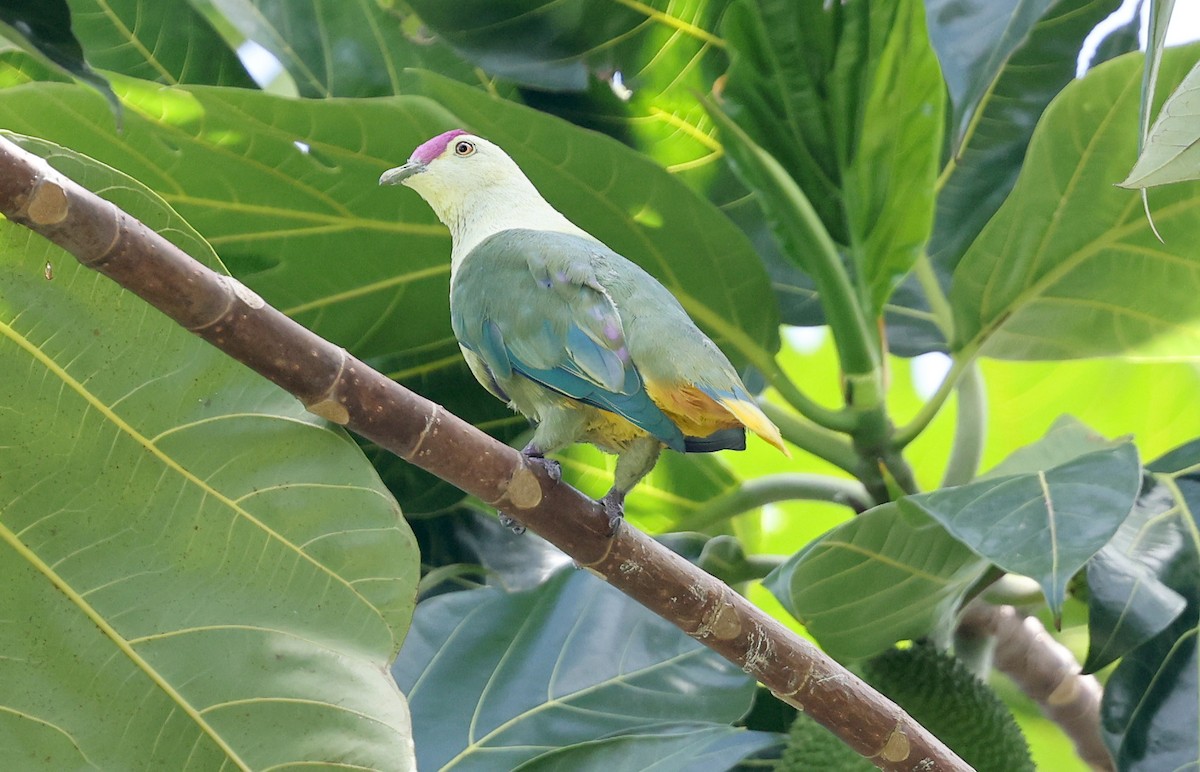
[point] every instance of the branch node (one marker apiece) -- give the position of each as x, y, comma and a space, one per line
524, 489
327, 405
721, 622
244, 293
49, 204
331, 410
897, 748
234, 289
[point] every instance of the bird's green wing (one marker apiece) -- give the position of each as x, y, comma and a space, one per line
530, 303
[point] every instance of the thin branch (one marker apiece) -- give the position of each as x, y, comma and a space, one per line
1046, 671
779, 487
817, 440
335, 385
906, 434
970, 429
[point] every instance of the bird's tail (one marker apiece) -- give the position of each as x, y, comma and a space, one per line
703, 411
743, 409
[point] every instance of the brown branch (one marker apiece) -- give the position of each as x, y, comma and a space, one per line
1046, 671
342, 389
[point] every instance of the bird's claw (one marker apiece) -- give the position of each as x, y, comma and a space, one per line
552, 467
511, 524
614, 506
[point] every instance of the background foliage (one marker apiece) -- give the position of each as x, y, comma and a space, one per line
189, 556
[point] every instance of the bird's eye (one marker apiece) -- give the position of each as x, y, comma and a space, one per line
464, 148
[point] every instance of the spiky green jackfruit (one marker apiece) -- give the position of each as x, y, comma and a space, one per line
945, 697
941, 694
812, 747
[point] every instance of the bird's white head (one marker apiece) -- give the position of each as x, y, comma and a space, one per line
475, 189
451, 164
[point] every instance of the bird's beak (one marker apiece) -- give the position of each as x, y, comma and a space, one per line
401, 173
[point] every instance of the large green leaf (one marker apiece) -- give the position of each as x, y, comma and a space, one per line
667, 748
555, 45
890, 574
1127, 601
198, 573
974, 40
1068, 266
1149, 712
498, 679
1172, 149
1045, 524
161, 40
662, 53
346, 48
889, 190
286, 191
1066, 440
988, 157
1163, 415
849, 100
782, 54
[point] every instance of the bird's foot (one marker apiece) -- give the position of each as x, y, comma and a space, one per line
536, 455
511, 524
614, 506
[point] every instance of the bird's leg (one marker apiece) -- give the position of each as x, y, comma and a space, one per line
534, 453
510, 523
633, 463
614, 507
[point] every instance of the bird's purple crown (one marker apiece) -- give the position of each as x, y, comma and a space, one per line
432, 148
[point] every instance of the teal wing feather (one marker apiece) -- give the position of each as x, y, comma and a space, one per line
529, 303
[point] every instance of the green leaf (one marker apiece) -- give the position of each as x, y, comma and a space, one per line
1066, 440
198, 573
44, 26
888, 187
990, 149
497, 679
304, 225
1172, 148
666, 748
974, 40
1164, 415
166, 41
1149, 711
781, 55
340, 48
1045, 525
466, 548
850, 102
1128, 603
554, 46
665, 52
890, 574
1156, 43
1069, 267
